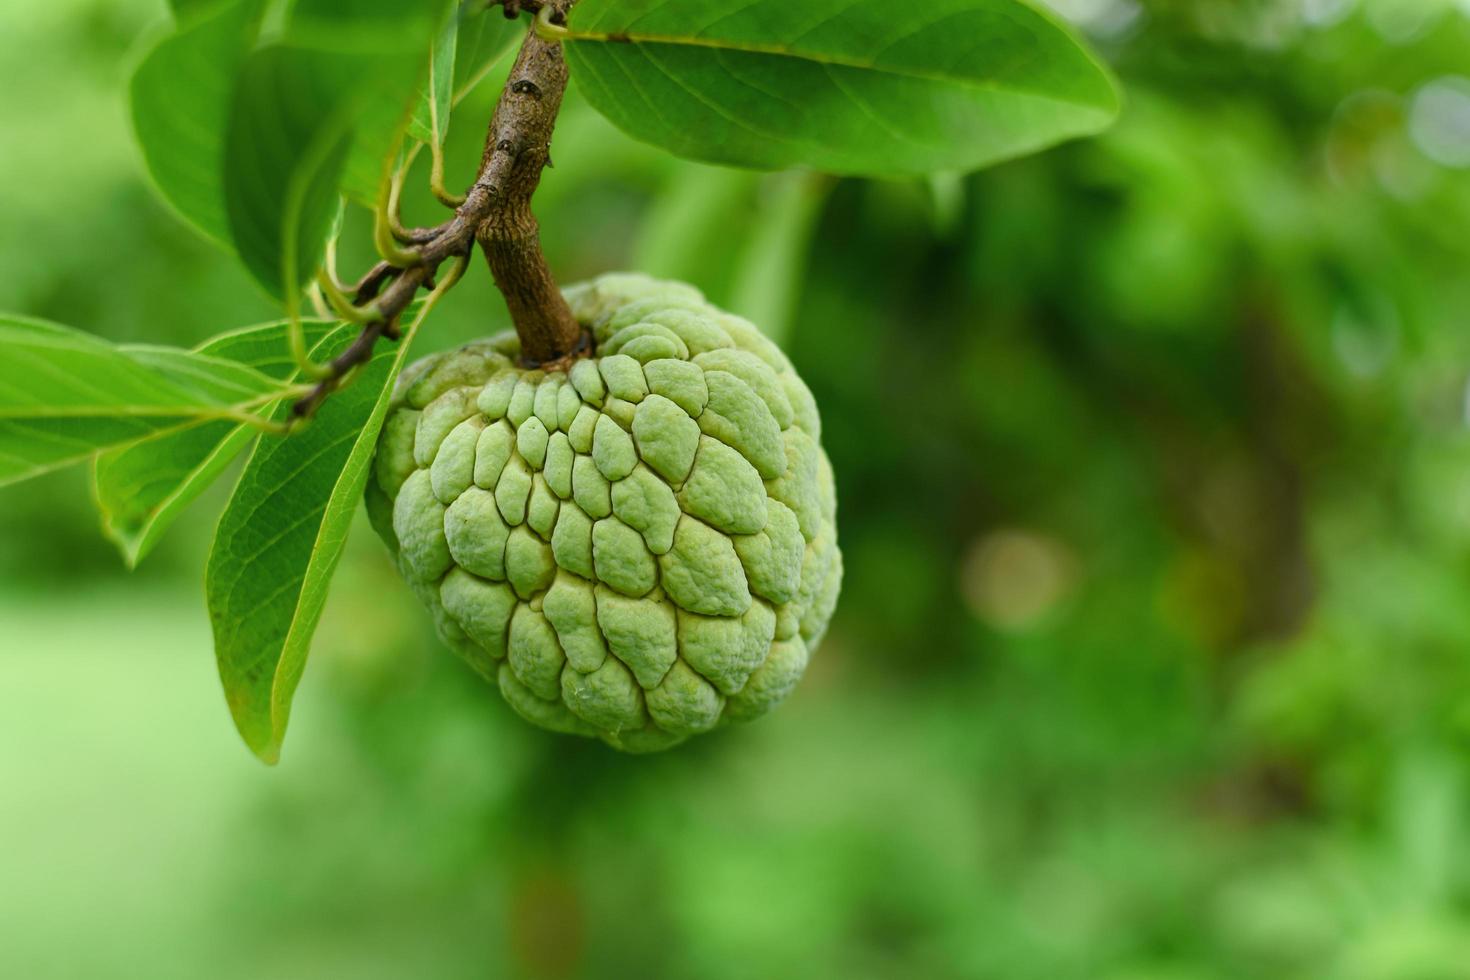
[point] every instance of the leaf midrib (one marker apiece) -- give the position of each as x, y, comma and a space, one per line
635, 39
197, 412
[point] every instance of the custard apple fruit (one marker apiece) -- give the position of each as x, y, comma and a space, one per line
638, 549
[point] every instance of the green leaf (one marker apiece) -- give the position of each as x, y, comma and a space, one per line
280, 540
289, 133
142, 488
185, 9
180, 97
862, 87
468, 45
65, 394
377, 147
430, 120
462, 55
402, 38
484, 41
32, 447
225, 380
368, 26
337, 88
51, 371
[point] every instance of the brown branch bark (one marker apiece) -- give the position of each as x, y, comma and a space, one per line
517, 149
497, 214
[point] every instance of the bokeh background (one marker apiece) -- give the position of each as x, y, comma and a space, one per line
1153, 661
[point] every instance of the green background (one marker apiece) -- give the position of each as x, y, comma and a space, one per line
1153, 661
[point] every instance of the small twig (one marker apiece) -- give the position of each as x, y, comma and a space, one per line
497, 213
370, 285
360, 351
422, 236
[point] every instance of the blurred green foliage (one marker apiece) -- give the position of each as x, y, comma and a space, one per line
1153, 661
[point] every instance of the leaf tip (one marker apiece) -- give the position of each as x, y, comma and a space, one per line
132, 548
265, 746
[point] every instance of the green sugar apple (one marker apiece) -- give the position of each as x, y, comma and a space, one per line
638, 549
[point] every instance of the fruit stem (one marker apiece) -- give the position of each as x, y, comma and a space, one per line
517, 149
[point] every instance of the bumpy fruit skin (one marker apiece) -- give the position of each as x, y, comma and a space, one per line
638, 549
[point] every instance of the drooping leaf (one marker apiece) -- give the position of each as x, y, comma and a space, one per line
65, 394
864, 87
142, 488
279, 542
336, 89
384, 119
180, 97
